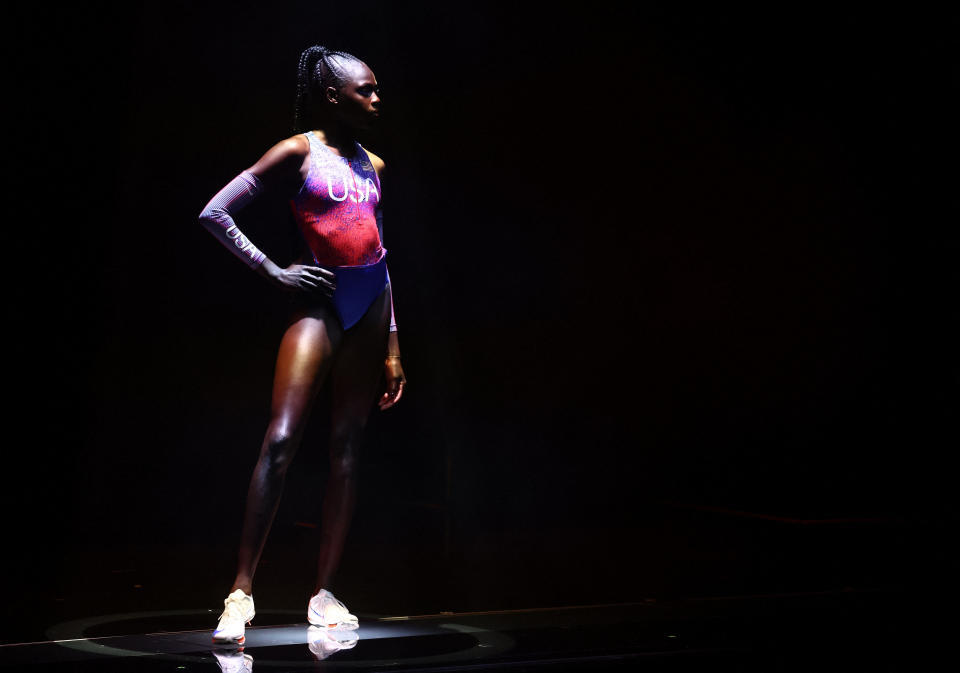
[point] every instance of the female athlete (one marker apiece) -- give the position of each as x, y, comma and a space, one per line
341, 325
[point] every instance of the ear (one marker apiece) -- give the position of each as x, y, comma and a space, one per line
331, 94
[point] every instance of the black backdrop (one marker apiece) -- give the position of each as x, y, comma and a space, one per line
638, 256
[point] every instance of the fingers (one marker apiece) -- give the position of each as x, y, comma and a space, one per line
316, 279
325, 280
322, 287
320, 272
392, 395
388, 399
310, 279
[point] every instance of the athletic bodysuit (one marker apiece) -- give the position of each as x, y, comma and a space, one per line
337, 212
336, 207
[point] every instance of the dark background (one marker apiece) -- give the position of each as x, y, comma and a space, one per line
644, 261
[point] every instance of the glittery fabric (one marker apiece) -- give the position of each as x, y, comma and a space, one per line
337, 206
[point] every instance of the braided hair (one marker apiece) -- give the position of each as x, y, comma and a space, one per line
319, 68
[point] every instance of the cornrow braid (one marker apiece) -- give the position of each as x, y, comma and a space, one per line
319, 68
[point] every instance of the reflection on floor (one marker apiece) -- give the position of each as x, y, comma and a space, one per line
765, 632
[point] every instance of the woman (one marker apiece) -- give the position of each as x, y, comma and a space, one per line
342, 324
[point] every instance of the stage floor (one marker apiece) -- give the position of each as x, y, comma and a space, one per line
839, 630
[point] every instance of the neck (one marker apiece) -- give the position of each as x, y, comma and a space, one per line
337, 136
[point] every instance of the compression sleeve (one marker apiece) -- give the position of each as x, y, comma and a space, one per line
393, 320
217, 217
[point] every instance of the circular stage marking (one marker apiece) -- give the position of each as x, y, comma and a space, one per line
71, 635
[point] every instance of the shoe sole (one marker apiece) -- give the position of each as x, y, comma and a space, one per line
338, 625
231, 641
350, 623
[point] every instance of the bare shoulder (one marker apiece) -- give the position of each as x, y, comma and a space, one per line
288, 153
377, 162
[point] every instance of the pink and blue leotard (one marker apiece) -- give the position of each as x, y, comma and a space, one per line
337, 209
337, 212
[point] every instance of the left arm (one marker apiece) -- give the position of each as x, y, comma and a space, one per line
393, 369
393, 372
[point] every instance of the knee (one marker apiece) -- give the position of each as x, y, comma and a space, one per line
345, 451
344, 465
278, 450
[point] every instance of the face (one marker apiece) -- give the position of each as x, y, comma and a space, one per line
357, 102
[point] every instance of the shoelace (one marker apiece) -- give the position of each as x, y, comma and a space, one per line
339, 604
233, 609
326, 600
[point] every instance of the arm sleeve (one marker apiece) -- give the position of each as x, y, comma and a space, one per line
218, 220
393, 320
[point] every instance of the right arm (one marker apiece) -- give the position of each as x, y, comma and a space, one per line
279, 167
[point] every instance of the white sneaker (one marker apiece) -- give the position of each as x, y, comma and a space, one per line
325, 610
234, 662
323, 642
237, 609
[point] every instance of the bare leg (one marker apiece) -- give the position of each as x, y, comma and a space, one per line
356, 379
303, 362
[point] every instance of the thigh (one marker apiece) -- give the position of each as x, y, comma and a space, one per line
307, 352
358, 369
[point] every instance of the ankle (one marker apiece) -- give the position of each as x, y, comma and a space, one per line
245, 587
